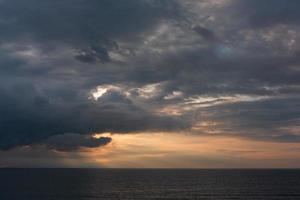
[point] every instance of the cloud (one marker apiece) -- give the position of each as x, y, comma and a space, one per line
73, 142
29, 118
271, 119
79, 21
205, 33
262, 14
93, 54
131, 66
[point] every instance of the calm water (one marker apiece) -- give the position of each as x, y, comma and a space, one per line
92, 184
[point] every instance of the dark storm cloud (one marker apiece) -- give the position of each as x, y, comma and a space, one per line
270, 12
88, 25
73, 142
205, 33
54, 53
80, 20
42, 95
93, 54
29, 118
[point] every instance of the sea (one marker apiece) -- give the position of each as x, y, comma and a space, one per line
123, 184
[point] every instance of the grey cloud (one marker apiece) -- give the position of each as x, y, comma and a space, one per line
273, 119
73, 142
28, 118
205, 33
91, 56
268, 13
74, 21
53, 53
88, 25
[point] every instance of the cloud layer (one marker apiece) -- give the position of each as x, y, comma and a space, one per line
207, 67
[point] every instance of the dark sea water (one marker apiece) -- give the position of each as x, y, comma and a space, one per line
92, 184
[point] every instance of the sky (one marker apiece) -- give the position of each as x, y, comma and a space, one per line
150, 83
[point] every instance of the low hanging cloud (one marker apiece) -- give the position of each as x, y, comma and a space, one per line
35, 118
73, 142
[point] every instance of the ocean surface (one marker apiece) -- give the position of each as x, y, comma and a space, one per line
93, 184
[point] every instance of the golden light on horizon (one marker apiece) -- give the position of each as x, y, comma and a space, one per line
179, 150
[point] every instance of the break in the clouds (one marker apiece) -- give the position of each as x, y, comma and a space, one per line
222, 67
